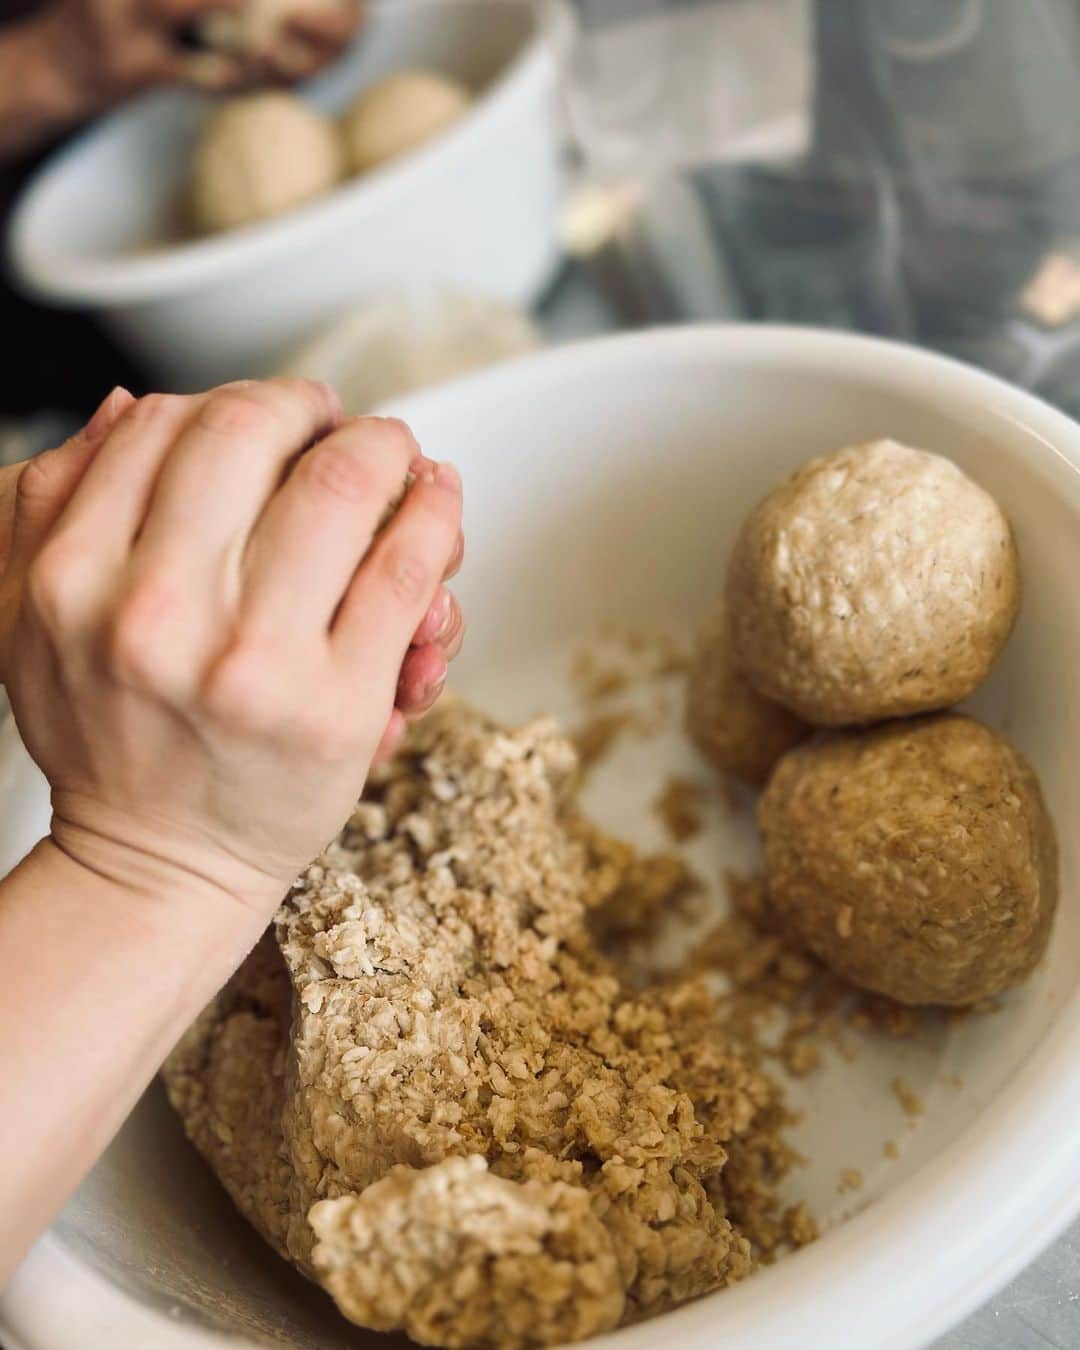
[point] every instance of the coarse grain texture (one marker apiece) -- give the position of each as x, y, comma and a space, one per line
875, 582
467, 1089
733, 726
457, 1256
258, 157
399, 113
917, 859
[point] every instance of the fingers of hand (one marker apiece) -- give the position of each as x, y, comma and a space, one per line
47, 483
225, 464
423, 675
443, 624
390, 594
391, 738
313, 535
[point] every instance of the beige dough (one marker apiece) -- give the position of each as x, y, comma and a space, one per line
915, 859
398, 114
876, 582
393, 1256
260, 156
726, 718
466, 1086
257, 24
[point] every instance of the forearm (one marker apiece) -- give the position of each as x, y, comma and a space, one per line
38, 99
97, 983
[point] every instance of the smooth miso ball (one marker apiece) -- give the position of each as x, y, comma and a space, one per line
398, 114
733, 726
875, 582
260, 156
916, 859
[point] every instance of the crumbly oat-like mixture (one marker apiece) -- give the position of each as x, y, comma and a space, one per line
450, 1003
910, 1102
875, 582
679, 806
915, 859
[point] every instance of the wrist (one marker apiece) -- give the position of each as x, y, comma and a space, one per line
163, 869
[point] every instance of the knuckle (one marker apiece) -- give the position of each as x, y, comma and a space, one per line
239, 693
334, 470
408, 576
236, 414
134, 652
155, 408
53, 583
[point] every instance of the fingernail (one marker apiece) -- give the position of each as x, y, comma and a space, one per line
432, 692
103, 418
447, 477
443, 609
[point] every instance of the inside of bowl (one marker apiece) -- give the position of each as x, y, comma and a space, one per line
120, 188
604, 492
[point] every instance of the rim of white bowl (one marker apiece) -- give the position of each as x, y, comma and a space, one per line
914, 1262
156, 274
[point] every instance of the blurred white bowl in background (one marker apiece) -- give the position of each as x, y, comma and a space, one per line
474, 209
410, 339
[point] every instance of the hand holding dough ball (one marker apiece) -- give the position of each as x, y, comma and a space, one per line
258, 24
916, 859
397, 114
876, 582
258, 157
730, 723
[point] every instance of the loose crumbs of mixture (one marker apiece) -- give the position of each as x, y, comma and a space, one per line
911, 1104
679, 806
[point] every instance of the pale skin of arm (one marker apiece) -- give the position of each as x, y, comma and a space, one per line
78, 58
266, 649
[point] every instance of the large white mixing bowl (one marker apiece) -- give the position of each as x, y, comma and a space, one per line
603, 485
475, 209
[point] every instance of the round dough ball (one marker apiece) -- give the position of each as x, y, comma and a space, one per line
876, 582
257, 24
397, 114
258, 157
727, 719
915, 859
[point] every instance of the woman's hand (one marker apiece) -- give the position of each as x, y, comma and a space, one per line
212, 637
81, 57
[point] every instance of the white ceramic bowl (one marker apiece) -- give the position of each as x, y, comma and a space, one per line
604, 483
473, 209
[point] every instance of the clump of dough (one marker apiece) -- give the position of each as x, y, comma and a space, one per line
256, 24
875, 582
433, 1000
397, 114
260, 156
533, 1258
727, 719
915, 859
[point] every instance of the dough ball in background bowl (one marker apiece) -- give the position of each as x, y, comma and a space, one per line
876, 582
260, 156
399, 113
916, 859
733, 726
